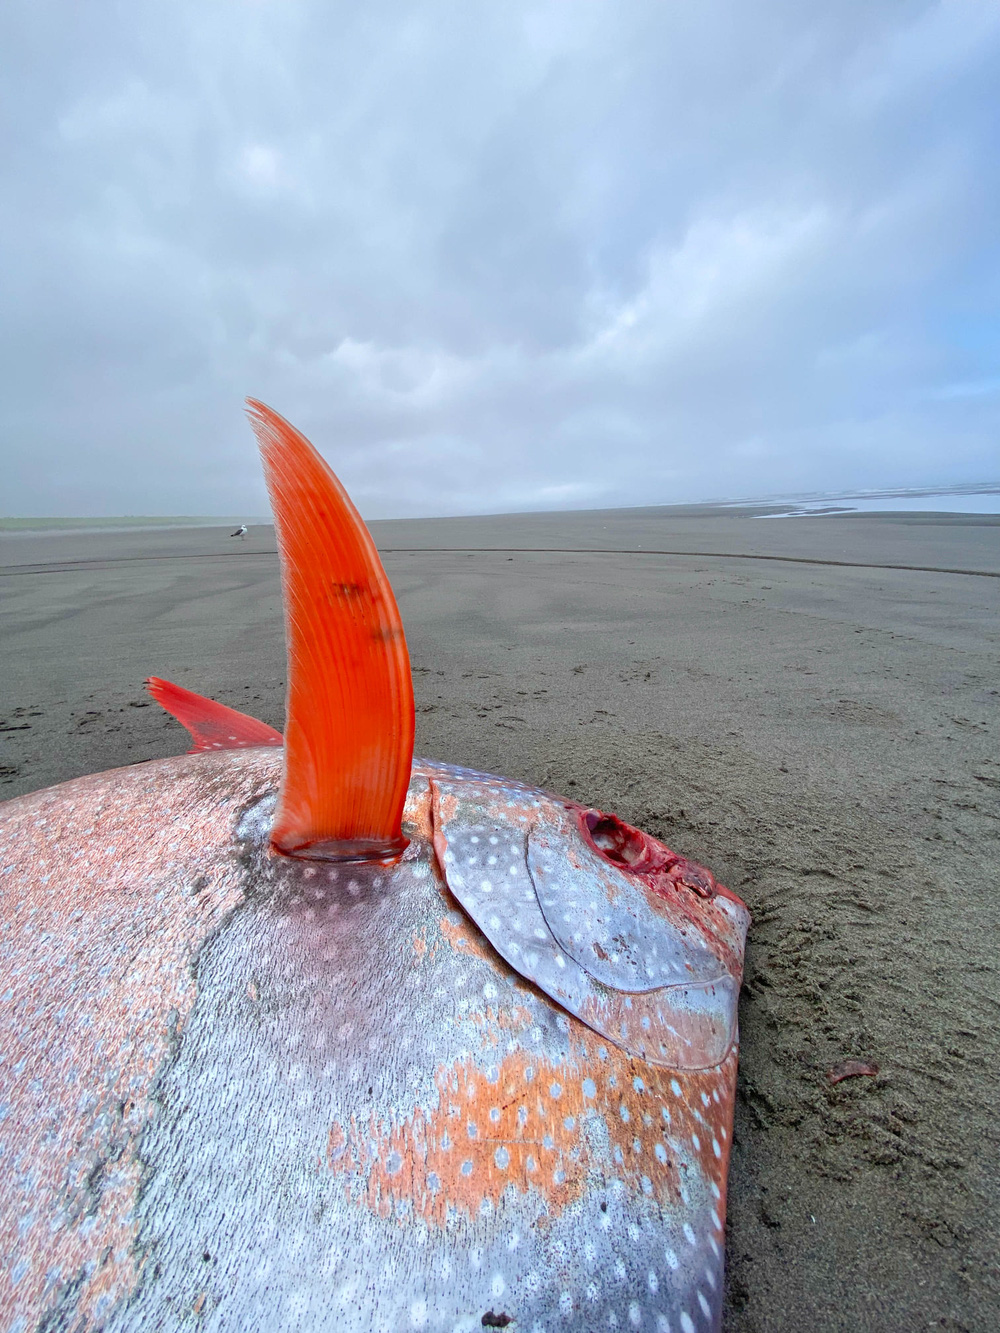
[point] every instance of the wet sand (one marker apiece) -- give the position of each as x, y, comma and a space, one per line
809, 706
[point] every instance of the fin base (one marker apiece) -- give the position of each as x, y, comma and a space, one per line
383, 850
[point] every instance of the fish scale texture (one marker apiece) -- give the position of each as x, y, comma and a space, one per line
313, 1096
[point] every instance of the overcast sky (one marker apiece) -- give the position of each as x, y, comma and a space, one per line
496, 256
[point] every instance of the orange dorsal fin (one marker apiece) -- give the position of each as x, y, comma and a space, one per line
213, 726
349, 716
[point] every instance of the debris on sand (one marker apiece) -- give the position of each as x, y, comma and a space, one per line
851, 1069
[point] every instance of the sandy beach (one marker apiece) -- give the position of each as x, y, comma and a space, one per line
808, 706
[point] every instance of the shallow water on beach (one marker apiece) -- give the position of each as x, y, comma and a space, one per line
955, 501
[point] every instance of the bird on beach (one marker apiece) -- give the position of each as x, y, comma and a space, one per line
240, 532
304, 1032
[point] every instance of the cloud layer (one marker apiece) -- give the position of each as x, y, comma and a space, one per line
493, 257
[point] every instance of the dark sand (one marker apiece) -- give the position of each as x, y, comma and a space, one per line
823, 735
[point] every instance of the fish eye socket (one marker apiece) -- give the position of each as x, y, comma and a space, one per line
617, 841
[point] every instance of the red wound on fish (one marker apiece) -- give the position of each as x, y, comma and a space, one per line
639, 854
620, 843
212, 725
349, 717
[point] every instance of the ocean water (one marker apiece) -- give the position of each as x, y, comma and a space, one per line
957, 500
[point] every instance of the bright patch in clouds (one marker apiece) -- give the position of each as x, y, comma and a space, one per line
261, 165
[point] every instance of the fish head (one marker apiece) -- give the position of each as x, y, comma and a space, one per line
641, 944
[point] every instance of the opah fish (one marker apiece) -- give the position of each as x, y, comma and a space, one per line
318, 1036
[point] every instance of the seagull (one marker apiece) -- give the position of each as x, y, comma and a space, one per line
240, 532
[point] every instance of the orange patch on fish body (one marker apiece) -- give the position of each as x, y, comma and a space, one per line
595, 1121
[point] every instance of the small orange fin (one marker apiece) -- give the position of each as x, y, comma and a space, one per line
213, 726
349, 727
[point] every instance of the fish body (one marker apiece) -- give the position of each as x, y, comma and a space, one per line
464, 1059
278, 1093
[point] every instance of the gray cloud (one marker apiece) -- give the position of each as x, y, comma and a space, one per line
497, 257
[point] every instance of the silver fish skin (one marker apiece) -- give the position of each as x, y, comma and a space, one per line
489, 1086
